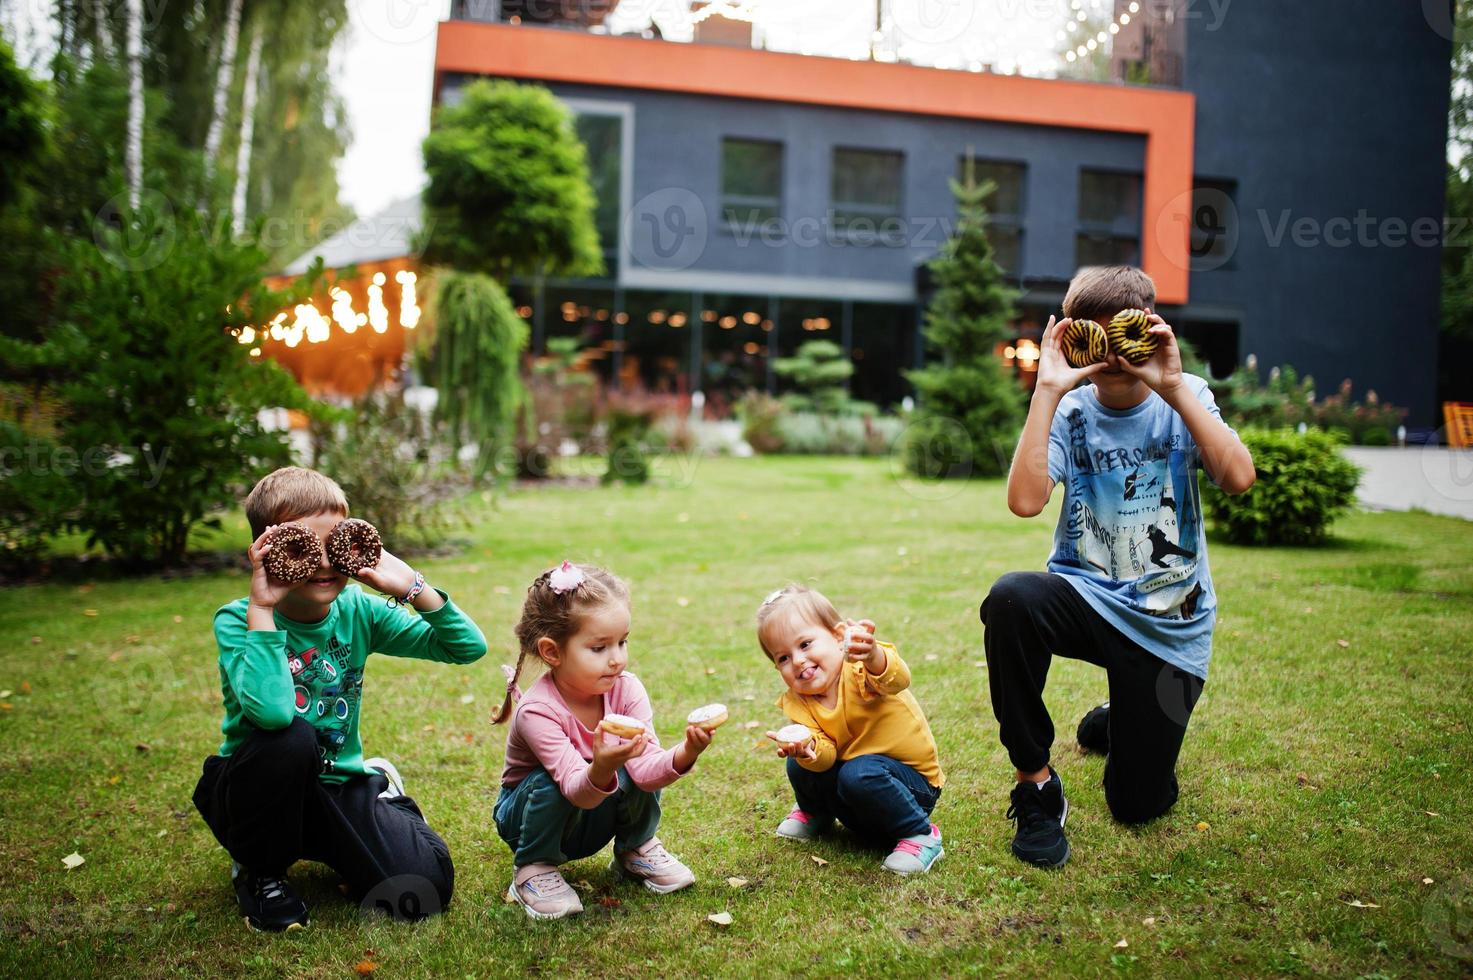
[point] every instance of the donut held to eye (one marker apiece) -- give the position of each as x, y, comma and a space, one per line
295, 555
1084, 343
353, 546
1130, 336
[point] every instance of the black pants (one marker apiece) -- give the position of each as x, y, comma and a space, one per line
266, 806
1029, 617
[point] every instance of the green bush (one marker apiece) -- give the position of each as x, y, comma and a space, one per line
819, 372
160, 425
397, 475
807, 433
761, 415
1303, 484
471, 353
629, 423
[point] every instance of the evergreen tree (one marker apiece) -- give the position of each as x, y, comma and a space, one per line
970, 409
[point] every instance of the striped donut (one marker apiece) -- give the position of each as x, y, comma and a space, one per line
1130, 337
1084, 343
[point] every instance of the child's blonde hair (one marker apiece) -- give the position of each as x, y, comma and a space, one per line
557, 616
794, 602
1101, 291
289, 493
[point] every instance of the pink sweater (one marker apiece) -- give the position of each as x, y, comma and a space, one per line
545, 734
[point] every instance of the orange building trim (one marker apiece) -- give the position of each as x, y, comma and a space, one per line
1166, 119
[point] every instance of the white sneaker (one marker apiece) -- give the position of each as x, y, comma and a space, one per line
800, 826
915, 855
396, 781
661, 872
543, 893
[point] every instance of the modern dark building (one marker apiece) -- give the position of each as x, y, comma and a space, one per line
1285, 191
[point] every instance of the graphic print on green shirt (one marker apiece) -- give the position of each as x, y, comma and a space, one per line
314, 671
327, 694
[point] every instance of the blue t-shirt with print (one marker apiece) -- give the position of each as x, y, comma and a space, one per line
1130, 538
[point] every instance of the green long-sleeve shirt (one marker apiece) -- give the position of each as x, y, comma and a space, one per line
315, 670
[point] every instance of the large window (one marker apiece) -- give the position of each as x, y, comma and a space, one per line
751, 181
602, 137
865, 193
1109, 229
1004, 208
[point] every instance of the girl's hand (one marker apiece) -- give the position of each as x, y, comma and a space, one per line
794, 750
1055, 373
266, 591
697, 740
1162, 373
609, 758
861, 645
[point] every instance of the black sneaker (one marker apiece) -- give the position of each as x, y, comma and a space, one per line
268, 901
1094, 730
1040, 815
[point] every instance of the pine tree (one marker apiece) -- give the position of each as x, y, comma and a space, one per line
970, 410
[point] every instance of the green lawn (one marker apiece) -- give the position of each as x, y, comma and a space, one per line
1324, 777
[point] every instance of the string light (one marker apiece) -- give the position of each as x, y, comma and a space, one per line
408, 304
745, 11
378, 313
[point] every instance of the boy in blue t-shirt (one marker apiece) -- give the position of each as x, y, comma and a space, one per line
1127, 586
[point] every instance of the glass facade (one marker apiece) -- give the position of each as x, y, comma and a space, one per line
751, 181
1109, 229
865, 191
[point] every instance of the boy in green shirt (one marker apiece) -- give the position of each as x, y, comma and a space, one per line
290, 781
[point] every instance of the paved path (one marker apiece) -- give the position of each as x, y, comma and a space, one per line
1432, 478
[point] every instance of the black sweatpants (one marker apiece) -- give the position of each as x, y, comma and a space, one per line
1029, 617
266, 806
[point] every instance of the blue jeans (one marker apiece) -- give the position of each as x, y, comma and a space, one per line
542, 827
873, 795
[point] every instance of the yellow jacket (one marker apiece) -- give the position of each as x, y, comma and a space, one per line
874, 714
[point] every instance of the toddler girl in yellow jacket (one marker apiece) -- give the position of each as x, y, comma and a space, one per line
860, 749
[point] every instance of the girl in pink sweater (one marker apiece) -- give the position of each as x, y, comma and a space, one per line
570, 785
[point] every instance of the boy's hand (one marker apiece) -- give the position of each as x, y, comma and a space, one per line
391, 575
697, 740
1055, 374
1162, 373
266, 591
609, 758
862, 646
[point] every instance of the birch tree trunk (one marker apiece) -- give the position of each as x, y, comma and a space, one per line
105, 49
247, 133
133, 155
223, 75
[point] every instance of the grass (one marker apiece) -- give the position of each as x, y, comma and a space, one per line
1316, 775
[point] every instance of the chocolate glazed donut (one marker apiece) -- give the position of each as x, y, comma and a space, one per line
1130, 337
295, 554
1084, 343
353, 546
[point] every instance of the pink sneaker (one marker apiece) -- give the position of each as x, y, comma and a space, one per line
650, 863
541, 891
800, 826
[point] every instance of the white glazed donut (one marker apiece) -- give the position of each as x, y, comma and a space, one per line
621, 725
709, 717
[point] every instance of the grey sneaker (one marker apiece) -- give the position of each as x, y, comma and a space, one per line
800, 826
913, 855
396, 781
661, 872
542, 892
